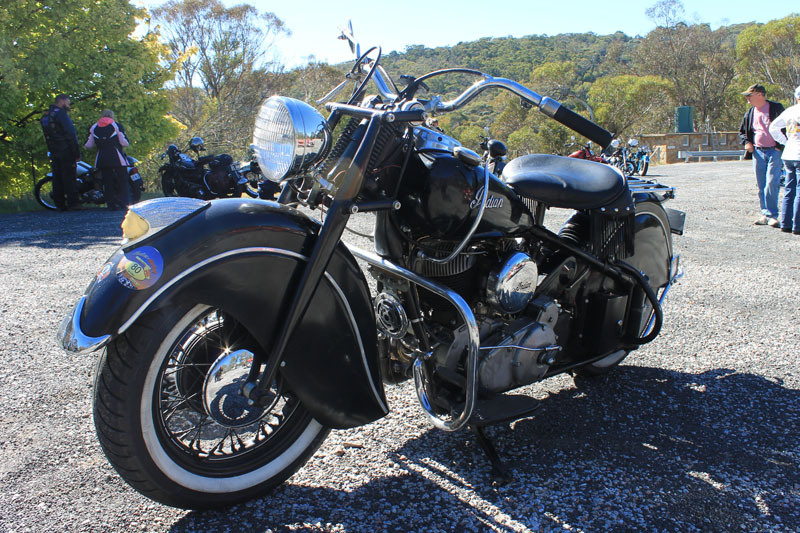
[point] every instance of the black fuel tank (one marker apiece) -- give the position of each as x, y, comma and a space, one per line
441, 196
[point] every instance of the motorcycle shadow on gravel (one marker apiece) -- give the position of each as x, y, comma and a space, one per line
71, 230
716, 450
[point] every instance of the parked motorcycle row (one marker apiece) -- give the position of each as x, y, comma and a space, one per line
89, 185
211, 389
631, 160
204, 177
207, 177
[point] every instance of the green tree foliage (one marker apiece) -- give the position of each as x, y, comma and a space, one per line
771, 53
700, 63
84, 49
629, 105
225, 68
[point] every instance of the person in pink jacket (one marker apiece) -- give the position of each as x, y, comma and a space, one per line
109, 139
790, 119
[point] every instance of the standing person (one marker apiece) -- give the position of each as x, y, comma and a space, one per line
62, 143
109, 139
754, 135
790, 120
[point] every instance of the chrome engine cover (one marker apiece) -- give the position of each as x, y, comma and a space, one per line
508, 360
511, 287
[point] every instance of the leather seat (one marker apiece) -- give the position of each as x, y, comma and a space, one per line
567, 182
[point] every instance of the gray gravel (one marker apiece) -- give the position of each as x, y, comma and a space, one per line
697, 431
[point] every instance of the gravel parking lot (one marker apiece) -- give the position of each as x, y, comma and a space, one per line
699, 430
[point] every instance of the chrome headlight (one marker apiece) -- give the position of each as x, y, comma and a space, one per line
289, 137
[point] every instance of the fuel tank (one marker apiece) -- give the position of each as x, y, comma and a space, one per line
441, 196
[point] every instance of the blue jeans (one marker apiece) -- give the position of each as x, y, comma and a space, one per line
791, 198
767, 164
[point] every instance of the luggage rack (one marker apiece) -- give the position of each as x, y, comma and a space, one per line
639, 185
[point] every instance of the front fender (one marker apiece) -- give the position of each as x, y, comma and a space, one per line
245, 257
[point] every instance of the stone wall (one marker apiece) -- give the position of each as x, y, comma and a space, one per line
665, 146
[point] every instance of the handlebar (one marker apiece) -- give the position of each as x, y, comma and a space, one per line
546, 105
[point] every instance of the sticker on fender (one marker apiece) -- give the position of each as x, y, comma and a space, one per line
140, 268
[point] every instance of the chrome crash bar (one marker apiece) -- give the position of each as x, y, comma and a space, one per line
472, 332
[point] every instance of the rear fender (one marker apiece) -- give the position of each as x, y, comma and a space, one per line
245, 256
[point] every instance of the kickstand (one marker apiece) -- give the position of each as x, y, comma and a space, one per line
499, 474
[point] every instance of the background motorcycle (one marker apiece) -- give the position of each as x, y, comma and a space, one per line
640, 157
89, 185
585, 152
620, 158
212, 390
183, 176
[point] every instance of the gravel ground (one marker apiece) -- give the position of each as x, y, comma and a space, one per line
697, 431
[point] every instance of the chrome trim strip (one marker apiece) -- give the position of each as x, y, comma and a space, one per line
72, 339
472, 331
268, 251
360, 342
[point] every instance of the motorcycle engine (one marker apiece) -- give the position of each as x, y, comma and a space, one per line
512, 354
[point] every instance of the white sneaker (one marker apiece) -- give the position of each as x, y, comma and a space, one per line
773, 222
762, 221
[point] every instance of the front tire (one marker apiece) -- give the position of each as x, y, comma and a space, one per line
168, 186
176, 442
43, 193
643, 168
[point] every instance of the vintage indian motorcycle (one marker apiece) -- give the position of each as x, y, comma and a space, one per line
212, 389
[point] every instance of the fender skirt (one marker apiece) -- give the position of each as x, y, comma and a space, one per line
245, 256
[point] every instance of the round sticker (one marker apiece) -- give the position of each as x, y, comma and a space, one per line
140, 268
105, 271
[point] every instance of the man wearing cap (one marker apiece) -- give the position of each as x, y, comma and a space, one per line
754, 135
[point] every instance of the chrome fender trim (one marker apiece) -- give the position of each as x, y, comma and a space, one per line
72, 338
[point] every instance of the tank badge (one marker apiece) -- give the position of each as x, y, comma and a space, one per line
493, 202
140, 268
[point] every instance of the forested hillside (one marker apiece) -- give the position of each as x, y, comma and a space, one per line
196, 67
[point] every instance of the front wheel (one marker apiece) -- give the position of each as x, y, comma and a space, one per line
171, 419
44, 193
168, 185
643, 168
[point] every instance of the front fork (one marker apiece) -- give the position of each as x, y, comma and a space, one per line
259, 383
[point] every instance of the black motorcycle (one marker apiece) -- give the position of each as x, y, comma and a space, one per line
89, 184
205, 177
212, 389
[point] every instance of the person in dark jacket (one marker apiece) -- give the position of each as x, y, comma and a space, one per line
109, 139
754, 135
62, 143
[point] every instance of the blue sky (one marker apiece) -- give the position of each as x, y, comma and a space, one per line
314, 24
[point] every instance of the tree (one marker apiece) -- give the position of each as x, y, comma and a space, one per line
770, 52
60, 47
700, 63
225, 67
627, 105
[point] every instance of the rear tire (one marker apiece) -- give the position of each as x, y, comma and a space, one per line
43, 193
161, 428
652, 226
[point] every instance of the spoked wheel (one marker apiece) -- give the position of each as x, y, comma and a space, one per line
628, 169
643, 168
44, 193
171, 418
